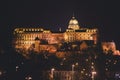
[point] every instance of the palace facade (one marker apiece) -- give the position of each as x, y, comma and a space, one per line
25, 37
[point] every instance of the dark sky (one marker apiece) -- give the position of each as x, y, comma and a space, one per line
53, 14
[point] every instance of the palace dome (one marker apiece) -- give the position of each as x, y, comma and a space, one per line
73, 24
73, 21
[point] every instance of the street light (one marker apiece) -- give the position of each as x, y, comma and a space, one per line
73, 67
17, 67
73, 71
93, 74
0, 73
52, 73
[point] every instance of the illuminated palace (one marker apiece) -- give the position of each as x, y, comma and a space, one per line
25, 37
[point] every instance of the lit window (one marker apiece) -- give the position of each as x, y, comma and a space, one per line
23, 29
32, 29
29, 29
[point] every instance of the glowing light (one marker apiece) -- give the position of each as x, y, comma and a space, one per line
73, 67
93, 74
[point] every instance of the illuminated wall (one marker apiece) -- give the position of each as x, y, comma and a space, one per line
81, 34
56, 38
25, 37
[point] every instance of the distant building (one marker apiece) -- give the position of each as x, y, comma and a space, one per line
110, 46
25, 37
76, 33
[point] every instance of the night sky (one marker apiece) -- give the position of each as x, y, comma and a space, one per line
52, 14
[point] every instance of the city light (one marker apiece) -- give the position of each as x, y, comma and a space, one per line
0, 73
73, 67
28, 78
17, 67
93, 75
75, 53
52, 73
